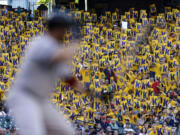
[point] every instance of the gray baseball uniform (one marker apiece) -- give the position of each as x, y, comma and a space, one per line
29, 95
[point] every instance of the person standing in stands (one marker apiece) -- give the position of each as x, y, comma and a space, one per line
45, 61
156, 87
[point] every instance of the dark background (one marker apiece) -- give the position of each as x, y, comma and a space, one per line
123, 5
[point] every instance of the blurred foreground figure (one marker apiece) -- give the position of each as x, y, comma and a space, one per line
44, 62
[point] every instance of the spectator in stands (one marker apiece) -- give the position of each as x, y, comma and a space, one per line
98, 117
156, 87
169, 121
114, 125
100, 132
86, 132
81, 126
143, 131
104, 124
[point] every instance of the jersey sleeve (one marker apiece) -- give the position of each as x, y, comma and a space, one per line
42, 53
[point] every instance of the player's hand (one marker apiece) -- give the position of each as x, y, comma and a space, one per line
80, 87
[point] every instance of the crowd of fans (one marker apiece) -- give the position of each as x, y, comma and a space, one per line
132, 73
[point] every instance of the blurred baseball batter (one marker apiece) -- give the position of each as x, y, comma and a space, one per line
44, 62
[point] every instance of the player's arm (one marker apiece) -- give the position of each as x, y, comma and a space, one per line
77, 85
63, 54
